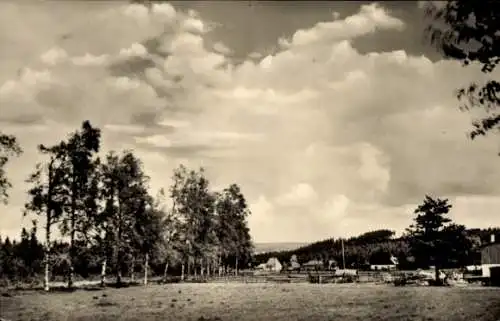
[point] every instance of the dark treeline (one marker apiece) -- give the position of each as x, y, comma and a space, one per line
110, 222
433, 240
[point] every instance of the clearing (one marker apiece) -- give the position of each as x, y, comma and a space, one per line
243, 302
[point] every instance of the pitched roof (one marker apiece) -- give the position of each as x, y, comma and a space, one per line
273, 261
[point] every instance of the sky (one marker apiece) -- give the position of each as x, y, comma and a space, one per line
335, 118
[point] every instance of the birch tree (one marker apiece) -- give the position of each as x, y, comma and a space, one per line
80, 150
194, 204
125, 194
232, 230
46, 197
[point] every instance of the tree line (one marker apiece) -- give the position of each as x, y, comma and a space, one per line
111, 224
103, 208
432, 240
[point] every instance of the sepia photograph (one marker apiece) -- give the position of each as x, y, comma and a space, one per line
249, 160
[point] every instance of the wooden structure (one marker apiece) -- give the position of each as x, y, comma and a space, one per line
490, 254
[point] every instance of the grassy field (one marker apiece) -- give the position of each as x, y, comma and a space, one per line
256, 302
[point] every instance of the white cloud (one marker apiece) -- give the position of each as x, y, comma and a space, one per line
174, 123
255, 55
89, 60
164, 9
301, 194
125, 129
135, 50
54, 56
156, 140
124, 83
24, 88
136, 11
194, 25
370, 18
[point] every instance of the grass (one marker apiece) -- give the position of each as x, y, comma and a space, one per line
233, 301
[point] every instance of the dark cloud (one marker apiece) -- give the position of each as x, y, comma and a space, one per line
154, 46
188, 151
132, 66
146, 119
30, 119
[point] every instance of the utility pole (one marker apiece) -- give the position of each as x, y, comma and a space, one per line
343, 253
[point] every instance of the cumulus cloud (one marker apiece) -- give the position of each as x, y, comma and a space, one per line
54, 56
300, 195
324, 140
368, 20
89, 60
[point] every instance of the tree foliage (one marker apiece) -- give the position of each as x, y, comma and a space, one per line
9, 147
46, 197
126, 199
194, 206
79, 163
426, 239
469, 31
232, 231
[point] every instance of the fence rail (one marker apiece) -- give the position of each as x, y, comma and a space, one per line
246, 277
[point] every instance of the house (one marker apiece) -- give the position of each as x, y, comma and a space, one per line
274, 265
261, 266
332, 264
386, 265
382, 267
313, 265
490, 256
294, 266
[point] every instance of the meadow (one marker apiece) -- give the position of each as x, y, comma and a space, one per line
239, 301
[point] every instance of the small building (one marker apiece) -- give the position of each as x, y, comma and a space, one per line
386, 264
383, 267
490, 256
273, 265
332, 264
294, 266
430, 274
313, 265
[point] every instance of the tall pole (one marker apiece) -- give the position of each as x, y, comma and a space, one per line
343, 254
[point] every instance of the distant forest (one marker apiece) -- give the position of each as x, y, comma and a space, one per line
377, 247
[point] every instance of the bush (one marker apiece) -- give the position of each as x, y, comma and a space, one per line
400, 281
313, 278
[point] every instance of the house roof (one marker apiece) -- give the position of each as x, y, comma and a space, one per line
273, 261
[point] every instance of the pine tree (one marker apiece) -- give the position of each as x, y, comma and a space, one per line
426, 233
